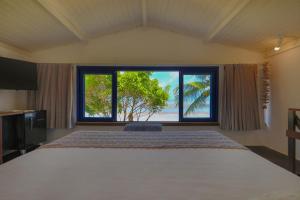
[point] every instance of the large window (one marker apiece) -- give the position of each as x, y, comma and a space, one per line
98, 95
196, 96
147, 94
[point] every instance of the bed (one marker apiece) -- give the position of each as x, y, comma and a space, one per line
145, 165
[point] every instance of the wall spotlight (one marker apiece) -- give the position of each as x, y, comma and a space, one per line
277, 47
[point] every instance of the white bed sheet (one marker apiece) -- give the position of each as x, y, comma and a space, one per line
144, 174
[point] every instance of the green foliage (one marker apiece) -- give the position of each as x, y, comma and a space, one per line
98, 91
138, 95
196, 91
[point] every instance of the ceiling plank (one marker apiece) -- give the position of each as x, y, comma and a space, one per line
235, 11
144, 13
55, 10
15, 50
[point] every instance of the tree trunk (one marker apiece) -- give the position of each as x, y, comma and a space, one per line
150, 115
124, 109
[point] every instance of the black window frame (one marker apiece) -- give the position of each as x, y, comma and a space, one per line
213, 71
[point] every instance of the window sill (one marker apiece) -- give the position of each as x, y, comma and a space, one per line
163, 123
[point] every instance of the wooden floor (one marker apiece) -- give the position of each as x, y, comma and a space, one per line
273, 156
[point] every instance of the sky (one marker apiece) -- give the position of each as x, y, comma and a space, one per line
167, 78
172, 79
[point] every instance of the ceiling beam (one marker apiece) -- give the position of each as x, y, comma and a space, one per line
233, 13
144, 13
55, 10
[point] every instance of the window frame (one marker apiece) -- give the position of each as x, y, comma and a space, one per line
213, 95
81, 95
182, 70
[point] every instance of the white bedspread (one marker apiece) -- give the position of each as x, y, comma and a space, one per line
145, 174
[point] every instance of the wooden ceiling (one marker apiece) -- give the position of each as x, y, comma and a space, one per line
252, 24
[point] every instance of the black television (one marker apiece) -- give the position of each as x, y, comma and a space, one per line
17, 74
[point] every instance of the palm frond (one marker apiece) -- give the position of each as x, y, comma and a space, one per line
198, 102
194, 89
176, 95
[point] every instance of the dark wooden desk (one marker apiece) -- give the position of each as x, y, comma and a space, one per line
4, 114
21, 130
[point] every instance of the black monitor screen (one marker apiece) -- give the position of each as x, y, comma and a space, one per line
17, 75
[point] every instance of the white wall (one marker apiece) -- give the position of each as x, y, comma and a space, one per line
147, 46
285, 68
12, 100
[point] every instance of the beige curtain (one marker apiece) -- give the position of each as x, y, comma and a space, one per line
239, 103
56, 94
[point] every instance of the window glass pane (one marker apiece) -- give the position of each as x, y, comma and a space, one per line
147, 96
98, 95
196, 96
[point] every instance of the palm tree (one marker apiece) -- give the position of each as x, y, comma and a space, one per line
196, 91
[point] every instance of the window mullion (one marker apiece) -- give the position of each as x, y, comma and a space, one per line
180, 95
114, 95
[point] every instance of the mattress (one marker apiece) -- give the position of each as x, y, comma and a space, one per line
74, 173
145, 139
